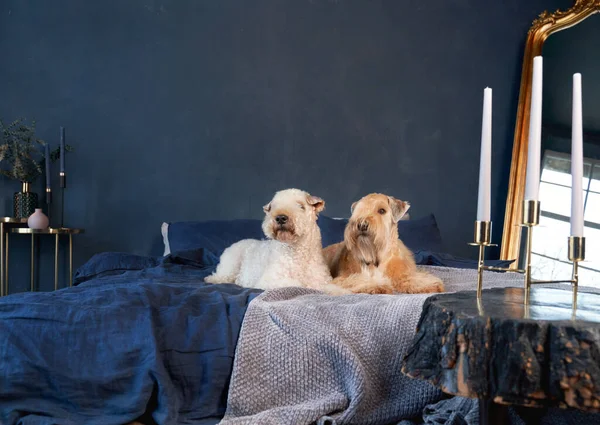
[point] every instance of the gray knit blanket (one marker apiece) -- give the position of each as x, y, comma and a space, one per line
308, 358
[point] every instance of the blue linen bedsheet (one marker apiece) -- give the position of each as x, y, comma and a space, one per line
134, 332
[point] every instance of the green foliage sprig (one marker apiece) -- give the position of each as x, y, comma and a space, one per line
21, 152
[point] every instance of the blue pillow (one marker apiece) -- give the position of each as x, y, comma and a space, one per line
111, 263
200, 257
332, 230
214, 236
217, 235
421, 234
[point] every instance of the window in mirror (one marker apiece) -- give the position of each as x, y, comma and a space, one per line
549, 251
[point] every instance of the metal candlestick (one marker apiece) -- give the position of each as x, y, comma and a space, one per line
576, 254
48, 203
529, 219
482, 238
63, 185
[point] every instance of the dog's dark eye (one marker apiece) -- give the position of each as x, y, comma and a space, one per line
301, 206
381, 211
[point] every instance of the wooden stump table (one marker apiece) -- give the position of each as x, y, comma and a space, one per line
505, 353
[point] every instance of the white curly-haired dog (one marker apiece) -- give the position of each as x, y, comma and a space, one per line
291, 256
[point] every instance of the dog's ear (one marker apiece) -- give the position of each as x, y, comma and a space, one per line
399, 208
267, 208
317, 203
352, 207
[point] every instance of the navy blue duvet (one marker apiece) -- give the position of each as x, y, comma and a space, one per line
136, 336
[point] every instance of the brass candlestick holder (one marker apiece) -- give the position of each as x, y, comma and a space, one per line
482, 239
576, 254
530, 219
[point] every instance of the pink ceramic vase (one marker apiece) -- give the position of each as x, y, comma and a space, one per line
38, 220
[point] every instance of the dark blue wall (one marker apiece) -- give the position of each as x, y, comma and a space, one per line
191, 110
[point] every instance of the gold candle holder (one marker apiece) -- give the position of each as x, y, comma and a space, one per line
530, 218
576, 248
483, 232
531, 212
482, 237
576, 254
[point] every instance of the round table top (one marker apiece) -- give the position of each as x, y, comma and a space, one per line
541, 355
48, 231
13, 220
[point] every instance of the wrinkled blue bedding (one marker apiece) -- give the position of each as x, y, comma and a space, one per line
134, 332
135, 335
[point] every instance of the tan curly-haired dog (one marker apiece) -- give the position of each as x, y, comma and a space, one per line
372, 259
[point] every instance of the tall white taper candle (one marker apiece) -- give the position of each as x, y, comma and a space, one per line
532, 184
485, 160
577, 160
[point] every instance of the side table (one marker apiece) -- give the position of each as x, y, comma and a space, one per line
6, 223
505, 353
57, 232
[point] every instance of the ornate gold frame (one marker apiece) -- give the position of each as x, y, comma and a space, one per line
545, 25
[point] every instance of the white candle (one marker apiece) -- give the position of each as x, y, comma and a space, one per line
532, 184
485, 159
577, 160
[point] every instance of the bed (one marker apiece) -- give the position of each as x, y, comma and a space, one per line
144, 338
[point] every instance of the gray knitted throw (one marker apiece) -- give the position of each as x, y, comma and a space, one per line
306, 358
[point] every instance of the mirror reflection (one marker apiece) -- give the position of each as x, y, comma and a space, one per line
565, 53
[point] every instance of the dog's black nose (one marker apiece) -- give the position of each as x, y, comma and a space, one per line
363, 226
281, 219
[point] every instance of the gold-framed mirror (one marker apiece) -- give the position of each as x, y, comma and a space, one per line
559, 48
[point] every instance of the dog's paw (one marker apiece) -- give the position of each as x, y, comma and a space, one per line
438, 287
333, 289
377, 290
423, 283
430, 288
213, 278
373, 289
433, 284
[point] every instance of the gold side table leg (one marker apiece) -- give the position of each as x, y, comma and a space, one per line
70, 259
56, 263
32, 272
2, 259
